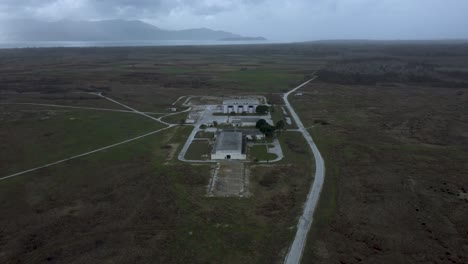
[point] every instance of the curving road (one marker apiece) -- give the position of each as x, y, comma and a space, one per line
295, 251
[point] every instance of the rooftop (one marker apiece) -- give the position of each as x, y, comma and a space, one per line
229, 141
245, 119
246, 132
241, 101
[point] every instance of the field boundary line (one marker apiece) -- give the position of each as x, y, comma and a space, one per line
88, 108
133, 109
85, 154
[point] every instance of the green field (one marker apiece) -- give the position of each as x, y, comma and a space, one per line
259, 152
262, 80
198, 150
389, 119
203, 134
31, 136
392, 168
135, 202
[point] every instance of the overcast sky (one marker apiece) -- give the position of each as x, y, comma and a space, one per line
289, 20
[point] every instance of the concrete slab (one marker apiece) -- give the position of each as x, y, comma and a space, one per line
229, 180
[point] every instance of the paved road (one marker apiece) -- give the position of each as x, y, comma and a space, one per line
295, 251
174, 113
186, 101
178, 99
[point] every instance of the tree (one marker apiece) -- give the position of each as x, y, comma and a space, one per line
267, 130
215, 123
264, 127
203, 126
262, 109
260, 123
280, 125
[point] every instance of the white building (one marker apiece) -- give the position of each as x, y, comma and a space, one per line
229, 145
190, 120
253, 134
244, 121
239, 106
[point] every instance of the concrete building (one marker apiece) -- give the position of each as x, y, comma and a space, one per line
249, 121
190, 120
229, 145
239, 106
244, 121
253, 134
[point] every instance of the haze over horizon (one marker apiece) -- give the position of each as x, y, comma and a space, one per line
299, 20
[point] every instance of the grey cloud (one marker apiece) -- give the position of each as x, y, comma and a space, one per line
274, 19
132, 9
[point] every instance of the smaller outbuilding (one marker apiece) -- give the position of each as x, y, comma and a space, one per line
253, 134
244, 121
190, 120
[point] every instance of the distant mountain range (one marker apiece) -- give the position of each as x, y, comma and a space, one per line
244, 39
105, 30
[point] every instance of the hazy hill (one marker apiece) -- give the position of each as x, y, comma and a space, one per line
105, 30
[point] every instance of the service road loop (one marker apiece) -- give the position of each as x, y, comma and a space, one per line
305, 221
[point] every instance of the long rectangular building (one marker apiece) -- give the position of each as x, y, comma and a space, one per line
239, 106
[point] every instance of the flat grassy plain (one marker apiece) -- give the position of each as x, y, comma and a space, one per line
394, 143
31, 136
134, 203
128, 204
396, 173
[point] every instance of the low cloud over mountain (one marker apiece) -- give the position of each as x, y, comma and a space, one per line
105, 30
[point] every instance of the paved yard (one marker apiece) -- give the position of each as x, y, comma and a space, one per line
229, 179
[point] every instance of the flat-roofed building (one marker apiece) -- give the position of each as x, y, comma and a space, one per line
253, 134
244, 121
229, 145
238, 106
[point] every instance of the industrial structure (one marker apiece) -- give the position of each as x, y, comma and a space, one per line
239, 106
244, 121
229, 145
253, 134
